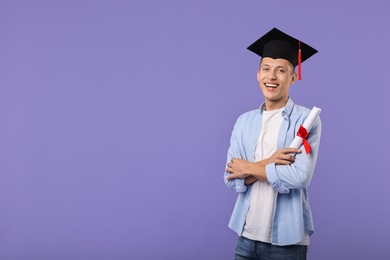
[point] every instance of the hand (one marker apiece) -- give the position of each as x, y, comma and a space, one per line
283, 156
250, 179
238, 168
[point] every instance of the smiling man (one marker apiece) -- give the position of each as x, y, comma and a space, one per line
272, 213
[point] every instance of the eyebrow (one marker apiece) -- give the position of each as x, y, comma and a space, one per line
278, 67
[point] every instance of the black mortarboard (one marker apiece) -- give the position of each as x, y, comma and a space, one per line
278, 45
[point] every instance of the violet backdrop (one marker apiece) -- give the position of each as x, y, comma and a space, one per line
116, 118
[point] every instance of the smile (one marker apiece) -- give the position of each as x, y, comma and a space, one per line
271, 85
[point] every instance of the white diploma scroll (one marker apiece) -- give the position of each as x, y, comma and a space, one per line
307, 124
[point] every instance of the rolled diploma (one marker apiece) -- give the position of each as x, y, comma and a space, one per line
307, 124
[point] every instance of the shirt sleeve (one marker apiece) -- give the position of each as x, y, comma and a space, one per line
234, 152
298, 175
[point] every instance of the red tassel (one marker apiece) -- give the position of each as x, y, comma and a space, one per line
299, 61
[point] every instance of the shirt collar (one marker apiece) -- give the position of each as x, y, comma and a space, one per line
287, 109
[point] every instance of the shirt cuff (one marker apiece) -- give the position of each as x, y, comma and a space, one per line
240, 185
273, 179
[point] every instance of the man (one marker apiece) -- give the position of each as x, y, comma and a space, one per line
272, 213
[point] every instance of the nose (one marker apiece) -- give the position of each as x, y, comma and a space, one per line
272, 74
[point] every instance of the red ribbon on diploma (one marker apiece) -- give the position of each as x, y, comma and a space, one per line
302, 133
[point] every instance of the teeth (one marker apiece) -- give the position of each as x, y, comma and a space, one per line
271, 85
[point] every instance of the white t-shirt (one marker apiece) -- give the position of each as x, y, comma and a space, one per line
258, 225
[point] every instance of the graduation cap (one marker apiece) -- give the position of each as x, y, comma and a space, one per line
279, 45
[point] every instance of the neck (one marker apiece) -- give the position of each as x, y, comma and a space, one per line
269, 105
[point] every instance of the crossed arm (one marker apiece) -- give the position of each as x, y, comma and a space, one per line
253, 171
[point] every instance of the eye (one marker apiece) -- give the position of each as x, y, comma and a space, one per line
265, 69
281, 70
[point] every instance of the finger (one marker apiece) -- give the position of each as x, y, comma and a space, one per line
290, 150
286, 157
231, 177
282, 162
229, 170
290, 158
230, 165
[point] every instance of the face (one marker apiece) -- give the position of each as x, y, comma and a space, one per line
275, 77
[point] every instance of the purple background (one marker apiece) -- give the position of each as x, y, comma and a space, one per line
116, 118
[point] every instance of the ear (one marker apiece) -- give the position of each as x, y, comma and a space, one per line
258, 75
293, 78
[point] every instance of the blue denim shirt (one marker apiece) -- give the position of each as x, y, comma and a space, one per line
292, 217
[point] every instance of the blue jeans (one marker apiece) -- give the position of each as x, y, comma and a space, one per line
248, 249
